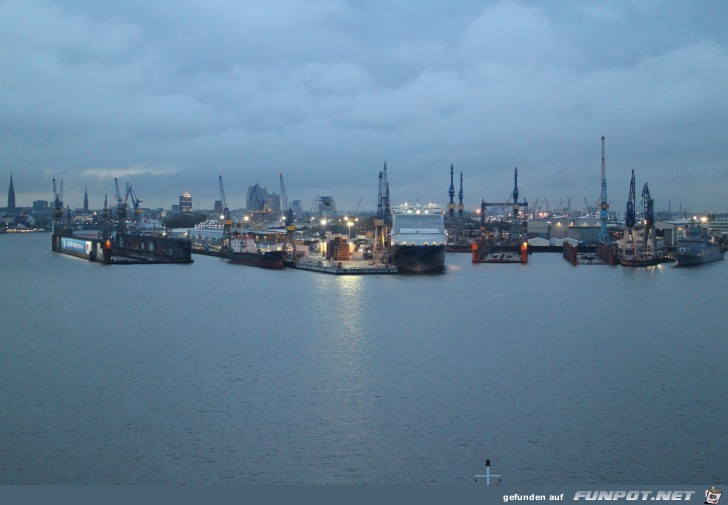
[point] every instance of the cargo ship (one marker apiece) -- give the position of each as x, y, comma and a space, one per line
696, 248
418, 241
244, 251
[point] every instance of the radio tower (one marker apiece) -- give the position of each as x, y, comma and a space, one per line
603, 205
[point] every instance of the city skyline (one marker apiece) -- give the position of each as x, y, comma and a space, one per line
326, 91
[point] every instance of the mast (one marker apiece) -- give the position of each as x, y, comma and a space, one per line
461, 207
451, 192
603, 205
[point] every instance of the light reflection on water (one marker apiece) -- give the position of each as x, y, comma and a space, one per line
219, 373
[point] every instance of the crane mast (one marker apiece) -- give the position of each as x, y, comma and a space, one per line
134, 201
227, 223
106, 230
649, 207
120, 212
380, 208
629, 220
57, 208
290, 239
629, 216
382, 217
451, 193
603, 205
386, 203
461, 207
284, 198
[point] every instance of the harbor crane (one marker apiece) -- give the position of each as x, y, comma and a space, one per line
382, 218
106, 229
227, 222
134, 201
290, 238
284, 199
57, 208
603, 204
644, 253
461, 207
455, 226
451, 193
649, 217
120, 212
514, 205
629, 219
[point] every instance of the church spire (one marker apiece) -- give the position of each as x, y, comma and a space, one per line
11, 194
85, 201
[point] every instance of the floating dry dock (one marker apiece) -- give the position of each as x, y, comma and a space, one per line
586, 255
342, 267
486, 251
126, 250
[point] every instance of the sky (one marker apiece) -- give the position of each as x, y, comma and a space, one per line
169, 95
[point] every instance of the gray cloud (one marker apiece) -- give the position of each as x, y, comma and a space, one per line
169, 97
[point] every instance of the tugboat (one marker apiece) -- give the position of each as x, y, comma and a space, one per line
696, 248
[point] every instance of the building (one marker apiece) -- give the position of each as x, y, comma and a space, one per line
40, 206
11, 195
185, 202
672, 231
584, 229
258, 199
560, 226
297, 209
539, 228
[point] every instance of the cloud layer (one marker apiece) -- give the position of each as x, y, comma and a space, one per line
169, 96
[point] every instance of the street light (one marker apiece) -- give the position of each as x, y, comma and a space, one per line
349, 224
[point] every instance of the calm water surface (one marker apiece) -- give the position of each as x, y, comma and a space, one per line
226, 374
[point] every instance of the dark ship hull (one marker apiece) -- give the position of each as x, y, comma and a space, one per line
419, 258
268, 259
698, 255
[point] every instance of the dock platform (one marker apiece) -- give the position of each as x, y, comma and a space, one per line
342, 267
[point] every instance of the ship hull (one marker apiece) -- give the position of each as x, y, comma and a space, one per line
269, 259
419, 259
696, 248
698, 258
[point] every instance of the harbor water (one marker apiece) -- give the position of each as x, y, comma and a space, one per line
214, 373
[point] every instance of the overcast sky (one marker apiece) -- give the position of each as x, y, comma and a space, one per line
167, 95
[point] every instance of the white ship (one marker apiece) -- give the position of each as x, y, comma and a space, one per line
418, 238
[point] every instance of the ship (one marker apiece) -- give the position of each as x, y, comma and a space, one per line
696, 248
244, 251
418, 239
